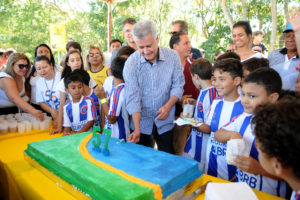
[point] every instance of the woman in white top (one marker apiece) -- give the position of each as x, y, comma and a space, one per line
40, 50
12, 86
242, 39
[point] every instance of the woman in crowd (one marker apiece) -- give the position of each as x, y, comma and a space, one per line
40, 50
242, 39
12, 86
95, 64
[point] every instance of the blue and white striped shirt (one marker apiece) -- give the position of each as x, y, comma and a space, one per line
149, 86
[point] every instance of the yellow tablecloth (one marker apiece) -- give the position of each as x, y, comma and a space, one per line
19, 180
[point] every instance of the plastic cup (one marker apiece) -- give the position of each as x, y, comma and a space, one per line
3, 128
18, 115
21, 127
188, 109
35, 125
12, 127
28, 126
43, 125
48, 121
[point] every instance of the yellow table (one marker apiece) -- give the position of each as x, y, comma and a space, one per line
19, 180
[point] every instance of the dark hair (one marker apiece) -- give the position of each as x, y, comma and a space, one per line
51, 55
66, 68
117, 66
266, 77
75, 45
276, 127
183, 26
126, 50
229, 55
255, 63
72, 77
52, 60
258, 33
230, 65
202, 67
84, 75
245, 25
128, 21
115, 40
42, 58
175, 39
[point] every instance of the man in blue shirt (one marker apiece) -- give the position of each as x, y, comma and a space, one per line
286, 60
153, 84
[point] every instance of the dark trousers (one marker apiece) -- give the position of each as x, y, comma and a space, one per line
164, 141
9, 110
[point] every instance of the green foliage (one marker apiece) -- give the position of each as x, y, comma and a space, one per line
24, 24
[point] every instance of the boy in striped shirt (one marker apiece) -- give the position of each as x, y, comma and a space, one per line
116, 112
260, 87
201, 72
227, 78
79, 113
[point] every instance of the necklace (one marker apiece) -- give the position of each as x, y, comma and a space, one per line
50, 93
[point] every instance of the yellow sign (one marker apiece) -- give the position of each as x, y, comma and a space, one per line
58, 37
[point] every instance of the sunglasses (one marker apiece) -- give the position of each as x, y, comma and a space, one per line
172, 32
21, 66
94, 54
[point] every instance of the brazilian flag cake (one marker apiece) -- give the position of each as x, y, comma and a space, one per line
130, 171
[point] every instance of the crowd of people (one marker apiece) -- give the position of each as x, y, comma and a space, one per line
140, 88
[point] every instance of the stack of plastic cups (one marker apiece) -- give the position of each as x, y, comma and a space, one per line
35, 124
28, 125
12, 126
3, 126
21, 127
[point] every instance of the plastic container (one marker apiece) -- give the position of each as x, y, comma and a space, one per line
28, 126
35, 125
21, 127
43, 125
188, 109
12, 126
3, 128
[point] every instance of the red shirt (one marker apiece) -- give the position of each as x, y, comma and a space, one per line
189, 87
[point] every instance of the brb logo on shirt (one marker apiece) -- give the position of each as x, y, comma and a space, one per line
84, 109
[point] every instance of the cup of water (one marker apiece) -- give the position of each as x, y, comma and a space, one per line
188, 109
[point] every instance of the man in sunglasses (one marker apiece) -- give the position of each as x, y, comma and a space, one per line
182, 26
286, 60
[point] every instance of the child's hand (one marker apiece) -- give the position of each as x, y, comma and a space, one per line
248, 164
293, 17
99, 92
184, 116
236, 135
65, 133
188, 100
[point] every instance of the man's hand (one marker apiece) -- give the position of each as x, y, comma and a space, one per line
100, 93
134, 137
163, 113
294, 18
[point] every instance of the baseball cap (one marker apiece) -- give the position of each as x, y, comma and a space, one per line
288, 28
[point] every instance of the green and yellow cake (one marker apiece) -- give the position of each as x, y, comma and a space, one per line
130, 171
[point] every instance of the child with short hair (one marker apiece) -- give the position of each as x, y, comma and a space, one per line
260, 87
115, 108
227, 78
254, 63
79, 113
88, 92
72, 62
201, 72
276, 128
